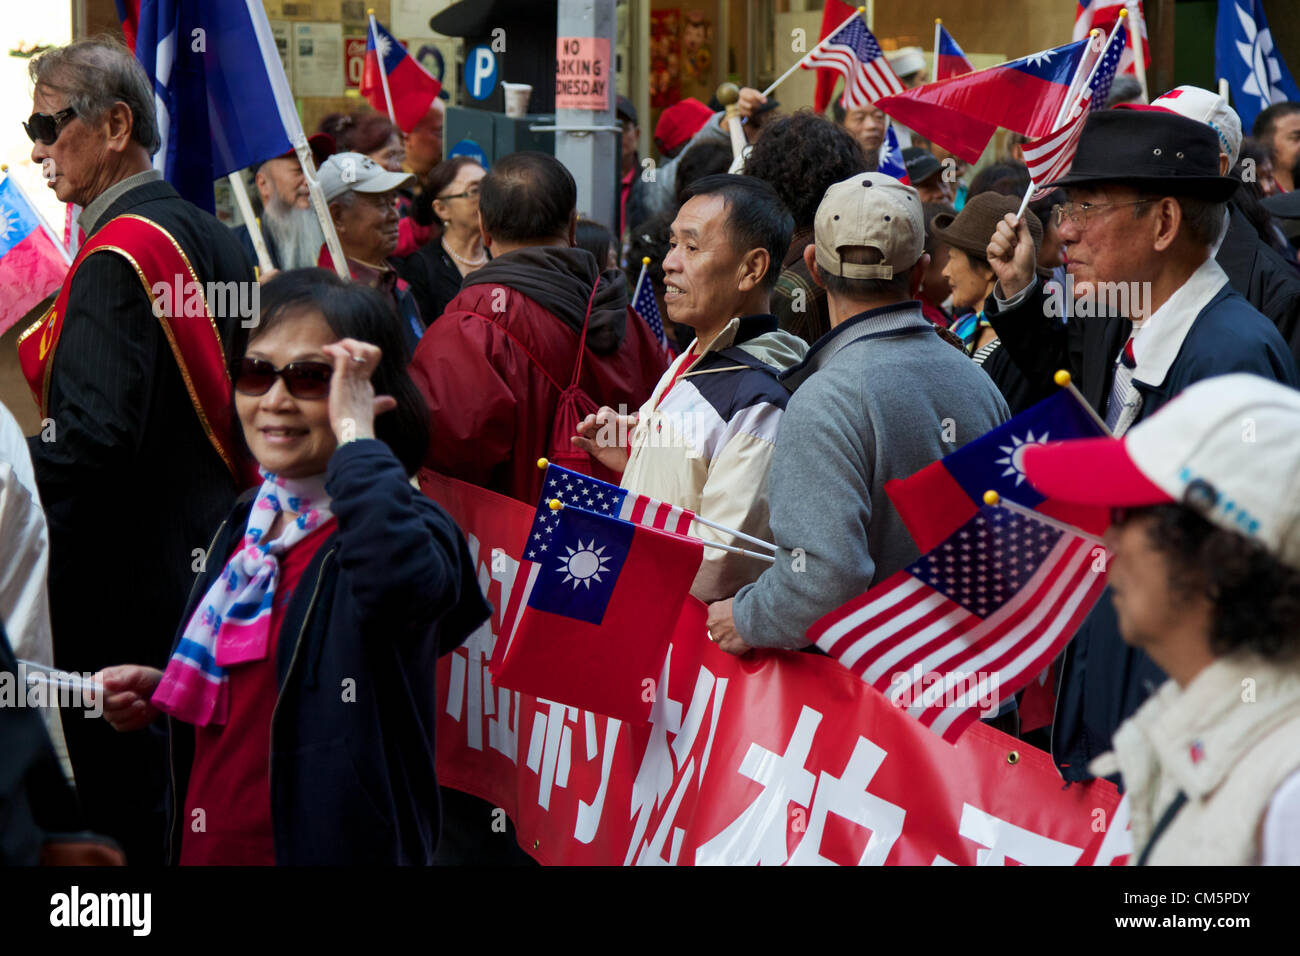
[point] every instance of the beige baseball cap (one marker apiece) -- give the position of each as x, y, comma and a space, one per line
872, 210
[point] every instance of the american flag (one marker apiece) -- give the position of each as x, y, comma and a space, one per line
985, 611
592, 494
1051, 157
646, 306
854, 52
1103, 15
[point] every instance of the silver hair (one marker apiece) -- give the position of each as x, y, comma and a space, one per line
95, 73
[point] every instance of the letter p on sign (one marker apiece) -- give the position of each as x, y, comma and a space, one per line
481, 72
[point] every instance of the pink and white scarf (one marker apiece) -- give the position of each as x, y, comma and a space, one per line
232, 623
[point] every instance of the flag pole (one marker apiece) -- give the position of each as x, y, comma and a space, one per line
383, 74
938, 25
786, 75
292, 124
1223, 89
1064, 379
1134, 8
557, 505
636, 292
254, 227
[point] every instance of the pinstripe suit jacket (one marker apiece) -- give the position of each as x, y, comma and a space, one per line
130, 483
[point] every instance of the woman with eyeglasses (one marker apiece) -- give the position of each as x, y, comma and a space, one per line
437, 269
300, 695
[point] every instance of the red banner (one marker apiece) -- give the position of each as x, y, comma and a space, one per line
777, 757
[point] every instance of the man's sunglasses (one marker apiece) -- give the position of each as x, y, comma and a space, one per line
46, 127
310, 380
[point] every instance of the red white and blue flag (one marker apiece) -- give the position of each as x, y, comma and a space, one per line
592, 494
1103, 15
945, 494
891, 157
597, 598
646, 305
1051, 157
32, 264
390, 73
854, 52
962, 113
949, 58
957, 632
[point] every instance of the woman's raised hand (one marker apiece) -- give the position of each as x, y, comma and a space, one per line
353, 402
127, 689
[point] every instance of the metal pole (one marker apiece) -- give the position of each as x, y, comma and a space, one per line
592, 157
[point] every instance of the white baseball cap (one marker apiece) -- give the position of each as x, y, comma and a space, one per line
1226, 447
872, 210
359, 173
1208, 108
906, 61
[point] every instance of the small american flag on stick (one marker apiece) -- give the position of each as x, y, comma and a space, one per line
968, 624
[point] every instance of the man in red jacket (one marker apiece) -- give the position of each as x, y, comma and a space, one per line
492, 368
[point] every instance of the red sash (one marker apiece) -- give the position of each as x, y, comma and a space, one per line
195, 342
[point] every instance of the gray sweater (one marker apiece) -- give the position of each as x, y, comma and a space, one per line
879, 397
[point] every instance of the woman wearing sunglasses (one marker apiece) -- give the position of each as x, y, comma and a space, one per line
300, 694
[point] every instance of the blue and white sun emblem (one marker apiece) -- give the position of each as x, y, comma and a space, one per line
584, 565
1261, 59
8, 221
1015, 454
1041, 58
383, 46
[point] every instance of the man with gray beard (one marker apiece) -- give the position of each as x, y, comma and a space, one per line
289, 225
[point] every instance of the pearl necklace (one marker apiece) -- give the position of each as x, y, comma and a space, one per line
461, 259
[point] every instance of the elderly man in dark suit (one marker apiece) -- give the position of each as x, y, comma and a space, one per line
1146, 206
136, 462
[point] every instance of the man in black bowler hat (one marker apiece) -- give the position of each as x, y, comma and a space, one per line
1145, 209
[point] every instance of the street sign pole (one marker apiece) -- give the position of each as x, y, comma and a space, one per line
588, 141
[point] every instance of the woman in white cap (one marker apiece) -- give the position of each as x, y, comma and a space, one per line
1205, 578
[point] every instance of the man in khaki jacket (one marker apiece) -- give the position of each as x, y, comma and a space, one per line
704, 440
1205, 577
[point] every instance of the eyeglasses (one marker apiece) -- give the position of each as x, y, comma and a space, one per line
1077, 212
308, 380
471, 193
46, 127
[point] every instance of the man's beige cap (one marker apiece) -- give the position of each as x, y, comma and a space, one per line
872, 210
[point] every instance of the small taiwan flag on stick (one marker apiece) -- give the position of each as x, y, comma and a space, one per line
394, 81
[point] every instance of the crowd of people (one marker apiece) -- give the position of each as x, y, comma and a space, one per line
829, 329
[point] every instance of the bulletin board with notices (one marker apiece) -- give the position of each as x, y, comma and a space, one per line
322, 45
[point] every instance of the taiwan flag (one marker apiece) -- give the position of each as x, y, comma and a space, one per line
948, 56
398, 78
32, 265
891, 157
961, 113
596, 609
943, 496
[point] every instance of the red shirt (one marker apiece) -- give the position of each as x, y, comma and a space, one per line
230, 780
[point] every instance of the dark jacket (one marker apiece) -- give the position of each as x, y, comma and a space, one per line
1269, 282
125, 431
246, 243
433, 278
798, 302
1103, 681
494, 364
352, 781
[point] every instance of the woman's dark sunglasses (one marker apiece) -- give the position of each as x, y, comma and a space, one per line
46, 127
310, 380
